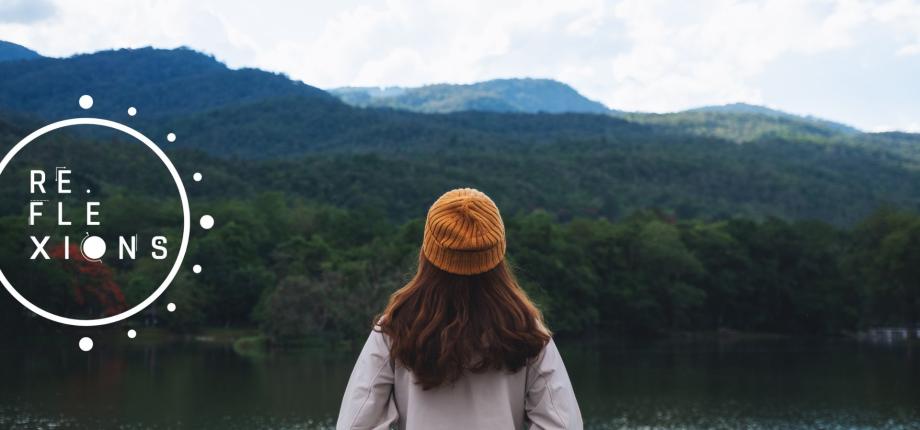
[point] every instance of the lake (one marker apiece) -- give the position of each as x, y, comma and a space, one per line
764, 384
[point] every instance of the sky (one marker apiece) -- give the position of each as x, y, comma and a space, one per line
853, 61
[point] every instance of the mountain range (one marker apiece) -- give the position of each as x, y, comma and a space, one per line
252, 131
736, 121
173, 82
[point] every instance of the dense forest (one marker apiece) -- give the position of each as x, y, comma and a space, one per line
617, 224
301, 270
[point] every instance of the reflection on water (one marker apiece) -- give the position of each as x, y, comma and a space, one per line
667, 386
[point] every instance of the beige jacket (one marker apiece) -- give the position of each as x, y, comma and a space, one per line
381, 393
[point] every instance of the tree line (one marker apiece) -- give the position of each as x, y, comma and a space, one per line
648, 273
301, 270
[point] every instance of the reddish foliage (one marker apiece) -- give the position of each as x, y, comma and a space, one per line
93, 280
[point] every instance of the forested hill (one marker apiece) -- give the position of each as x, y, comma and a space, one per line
498, 95
744, 108
629, 169
738, 121
11, 52
270, 133
159, 83
745, 123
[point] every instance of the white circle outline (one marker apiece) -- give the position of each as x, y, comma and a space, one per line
185, 222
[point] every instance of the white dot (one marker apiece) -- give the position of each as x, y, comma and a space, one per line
132, 111
171, 307
86, 101
197, 177
132, 334
171, 137
87, 191
206, 222
196, 268
86, 344
93, 247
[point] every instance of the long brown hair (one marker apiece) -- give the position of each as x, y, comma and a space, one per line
441, 325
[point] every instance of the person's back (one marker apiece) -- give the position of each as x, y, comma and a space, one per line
460, 346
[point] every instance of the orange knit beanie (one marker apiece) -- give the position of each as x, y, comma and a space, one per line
464, 233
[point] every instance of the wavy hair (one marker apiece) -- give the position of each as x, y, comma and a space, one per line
441, 325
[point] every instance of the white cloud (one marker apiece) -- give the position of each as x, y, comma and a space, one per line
410, 44
708, 53
903, 18
25, 11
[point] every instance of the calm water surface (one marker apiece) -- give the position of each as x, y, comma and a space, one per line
664, 385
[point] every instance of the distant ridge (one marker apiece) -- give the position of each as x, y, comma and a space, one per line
740, 122
525, 95
744, 108
10, 51
739, 108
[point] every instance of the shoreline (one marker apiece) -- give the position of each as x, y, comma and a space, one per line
250, 340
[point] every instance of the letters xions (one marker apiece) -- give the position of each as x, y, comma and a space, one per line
127, 248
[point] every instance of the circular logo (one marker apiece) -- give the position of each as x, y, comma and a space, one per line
94, 247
